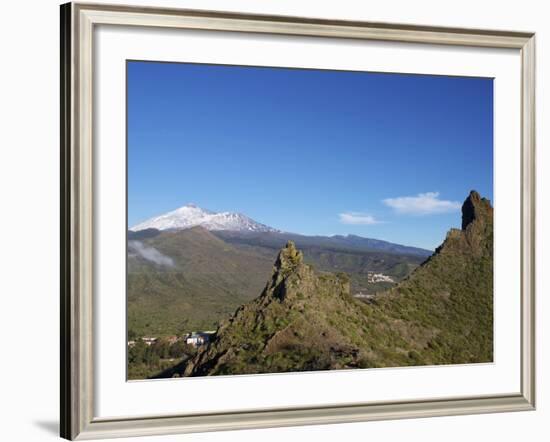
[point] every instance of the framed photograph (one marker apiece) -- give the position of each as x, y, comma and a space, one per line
272, 221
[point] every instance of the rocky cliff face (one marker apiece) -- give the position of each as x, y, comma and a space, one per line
307, 320
477, 228
477, 209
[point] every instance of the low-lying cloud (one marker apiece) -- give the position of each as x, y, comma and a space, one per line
358, 219
150, 254
422, 204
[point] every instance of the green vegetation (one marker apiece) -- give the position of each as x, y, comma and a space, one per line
146, 361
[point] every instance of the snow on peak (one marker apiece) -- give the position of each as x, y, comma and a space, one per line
191, 215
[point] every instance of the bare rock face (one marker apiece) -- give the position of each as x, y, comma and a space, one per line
475, 208
475, 239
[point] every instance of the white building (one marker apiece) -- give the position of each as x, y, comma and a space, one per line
195, 340
378, 277
199, 338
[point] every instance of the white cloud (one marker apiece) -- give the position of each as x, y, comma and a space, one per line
150, 254
357, 218
422, 204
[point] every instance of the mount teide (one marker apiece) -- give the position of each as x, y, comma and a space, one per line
191, 216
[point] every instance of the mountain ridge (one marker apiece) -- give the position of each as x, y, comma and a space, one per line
277, 240
236, 227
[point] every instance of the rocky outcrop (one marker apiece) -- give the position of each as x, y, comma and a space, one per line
476, 236
477, 209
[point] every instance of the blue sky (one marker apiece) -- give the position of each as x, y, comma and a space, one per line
384, 156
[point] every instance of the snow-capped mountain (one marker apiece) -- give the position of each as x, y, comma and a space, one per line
191, 216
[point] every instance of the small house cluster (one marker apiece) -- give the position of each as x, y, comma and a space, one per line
149, 340
196, 339
378, 277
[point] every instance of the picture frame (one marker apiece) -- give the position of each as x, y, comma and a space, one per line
78, 199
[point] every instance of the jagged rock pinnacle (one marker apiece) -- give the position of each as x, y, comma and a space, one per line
289, 258
475, 208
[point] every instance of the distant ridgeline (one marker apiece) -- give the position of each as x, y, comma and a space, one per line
305, 319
